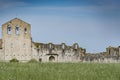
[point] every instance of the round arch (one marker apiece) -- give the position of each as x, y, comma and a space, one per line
51, 58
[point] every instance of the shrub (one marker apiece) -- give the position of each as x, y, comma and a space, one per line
33, 61
14, 60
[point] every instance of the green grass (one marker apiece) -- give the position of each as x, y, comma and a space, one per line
59, 71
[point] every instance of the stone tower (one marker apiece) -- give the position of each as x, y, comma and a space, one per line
16, 36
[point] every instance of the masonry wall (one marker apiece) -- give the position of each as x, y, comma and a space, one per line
16, 45
44, 54
1, 55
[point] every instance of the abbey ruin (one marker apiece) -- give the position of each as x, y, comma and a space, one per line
17, 43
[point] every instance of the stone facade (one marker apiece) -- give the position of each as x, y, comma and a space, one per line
112, 55
17, 43
57, 52
16, 40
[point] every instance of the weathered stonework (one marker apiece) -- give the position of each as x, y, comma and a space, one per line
17, 43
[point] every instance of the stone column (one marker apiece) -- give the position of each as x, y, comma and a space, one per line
119, 50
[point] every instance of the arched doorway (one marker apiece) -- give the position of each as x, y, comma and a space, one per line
40, 60
51, 58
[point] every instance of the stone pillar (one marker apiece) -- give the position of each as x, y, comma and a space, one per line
108, 50
119, 50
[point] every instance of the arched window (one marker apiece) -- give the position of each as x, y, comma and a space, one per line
24, 45
76, 46
63, 46
17, 30
9, 30
50, 46
11, 45
25, 30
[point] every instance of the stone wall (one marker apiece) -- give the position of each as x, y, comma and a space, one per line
1, 55
59, 52
17, 43
16, 40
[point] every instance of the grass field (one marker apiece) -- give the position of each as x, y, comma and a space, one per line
59, 71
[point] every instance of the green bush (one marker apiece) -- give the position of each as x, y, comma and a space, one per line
33, 61
14, 60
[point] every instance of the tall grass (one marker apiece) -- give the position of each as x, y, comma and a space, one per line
59, 71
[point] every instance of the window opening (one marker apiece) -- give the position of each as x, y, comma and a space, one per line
17, 30
25, 30
9, 30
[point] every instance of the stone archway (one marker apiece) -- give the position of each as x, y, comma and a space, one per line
51, 58
40, 60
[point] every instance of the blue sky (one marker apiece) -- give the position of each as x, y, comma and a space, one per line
93, 24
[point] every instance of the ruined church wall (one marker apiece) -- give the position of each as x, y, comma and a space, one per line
1, 55
16, 45
43, 54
